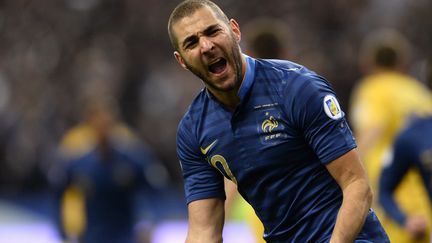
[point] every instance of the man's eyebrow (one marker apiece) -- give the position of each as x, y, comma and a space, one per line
191, 38
210, 28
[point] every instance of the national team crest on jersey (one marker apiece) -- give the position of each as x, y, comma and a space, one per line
269, 125
332, 108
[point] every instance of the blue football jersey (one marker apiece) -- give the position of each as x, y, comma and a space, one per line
274, 146
412, 149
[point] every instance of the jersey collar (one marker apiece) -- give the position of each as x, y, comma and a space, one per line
248, 78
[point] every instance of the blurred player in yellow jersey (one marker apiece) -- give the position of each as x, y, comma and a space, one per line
102, 171
381, 104
265, 38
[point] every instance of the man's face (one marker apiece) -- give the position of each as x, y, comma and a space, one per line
209, 48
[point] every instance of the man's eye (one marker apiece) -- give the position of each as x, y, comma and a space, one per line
214, 31
190, 44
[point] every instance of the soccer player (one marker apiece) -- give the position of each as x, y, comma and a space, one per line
412, 149
382, 102
272, 127
102, 171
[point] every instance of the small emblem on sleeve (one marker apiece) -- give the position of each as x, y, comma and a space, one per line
332, 108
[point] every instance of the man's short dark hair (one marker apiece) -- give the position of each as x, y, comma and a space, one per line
386, 48
386, 56
187, 8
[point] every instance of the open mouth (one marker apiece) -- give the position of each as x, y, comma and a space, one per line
218, 66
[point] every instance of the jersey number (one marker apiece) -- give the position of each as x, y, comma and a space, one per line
220, 159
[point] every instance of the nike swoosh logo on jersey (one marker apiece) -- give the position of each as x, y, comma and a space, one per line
205, 150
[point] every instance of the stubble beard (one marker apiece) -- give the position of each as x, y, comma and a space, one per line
235, 58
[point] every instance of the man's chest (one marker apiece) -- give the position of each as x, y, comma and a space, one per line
253, 140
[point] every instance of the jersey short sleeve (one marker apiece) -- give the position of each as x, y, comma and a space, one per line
317, 113
201, 181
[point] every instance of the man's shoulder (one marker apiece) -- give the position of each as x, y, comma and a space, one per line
194, 110
387, 80
278, 65
374, 86
284, 73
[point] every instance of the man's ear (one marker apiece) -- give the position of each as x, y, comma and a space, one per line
179, 59
235, 27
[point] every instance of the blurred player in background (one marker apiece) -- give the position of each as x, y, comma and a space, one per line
103, 169
412, 150
272, 127
264, 38
381, 104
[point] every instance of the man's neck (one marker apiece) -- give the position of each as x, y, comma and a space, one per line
229, 99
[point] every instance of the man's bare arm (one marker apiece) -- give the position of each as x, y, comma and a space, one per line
206, 220
349, 173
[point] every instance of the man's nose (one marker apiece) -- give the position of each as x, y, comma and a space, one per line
206, 44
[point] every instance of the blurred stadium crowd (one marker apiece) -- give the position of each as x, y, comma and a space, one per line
55, 55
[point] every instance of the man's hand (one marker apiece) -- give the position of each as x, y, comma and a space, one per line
416, 225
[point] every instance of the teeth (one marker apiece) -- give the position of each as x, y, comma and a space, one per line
217, 65
215, 61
